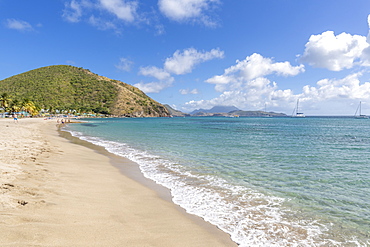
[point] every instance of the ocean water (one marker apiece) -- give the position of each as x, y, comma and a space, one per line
265, 181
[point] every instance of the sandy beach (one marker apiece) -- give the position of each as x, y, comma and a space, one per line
54, 192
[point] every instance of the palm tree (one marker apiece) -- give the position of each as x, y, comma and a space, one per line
5, 100
29, 106
15, 106
51, 110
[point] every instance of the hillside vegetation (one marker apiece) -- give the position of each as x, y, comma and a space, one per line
68, 88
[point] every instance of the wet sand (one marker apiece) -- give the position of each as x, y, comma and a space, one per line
57, 191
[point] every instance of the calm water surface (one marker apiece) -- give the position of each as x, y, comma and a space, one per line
265, 181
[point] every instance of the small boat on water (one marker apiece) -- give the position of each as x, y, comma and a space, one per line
360, 115
296, 112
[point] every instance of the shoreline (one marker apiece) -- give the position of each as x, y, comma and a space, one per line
60, 191
131, 170
125, 166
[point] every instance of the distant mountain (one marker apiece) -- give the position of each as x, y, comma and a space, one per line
256, 114
69, 88
215, 109
175, 113
232, 111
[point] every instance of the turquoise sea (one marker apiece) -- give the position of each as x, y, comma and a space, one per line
265, 181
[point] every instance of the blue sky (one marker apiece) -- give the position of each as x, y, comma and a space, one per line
195, 54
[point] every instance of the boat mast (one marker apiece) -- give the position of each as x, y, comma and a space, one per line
297, 106
360, 113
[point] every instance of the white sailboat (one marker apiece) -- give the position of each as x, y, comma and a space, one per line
360, 115
296, 112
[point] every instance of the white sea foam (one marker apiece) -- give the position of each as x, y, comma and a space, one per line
250, 217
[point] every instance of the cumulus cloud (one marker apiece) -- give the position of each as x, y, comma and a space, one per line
124, 10
164, 78
183, 62
189, 10
252, 95
19, 25
253, 67
245, 84
235, 98
337, 52
156, 72
338, 95
349, 87
333, 52
152, 87
366, 53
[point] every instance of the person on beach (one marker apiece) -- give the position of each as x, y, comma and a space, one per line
15, 118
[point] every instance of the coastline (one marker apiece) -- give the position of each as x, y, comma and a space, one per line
56, 191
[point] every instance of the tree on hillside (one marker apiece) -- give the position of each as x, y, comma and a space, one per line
5, 101
29, 106
62, 87
15, 106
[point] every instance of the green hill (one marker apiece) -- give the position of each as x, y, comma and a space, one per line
64, 87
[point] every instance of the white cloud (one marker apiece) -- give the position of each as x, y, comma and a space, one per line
183, 62
180, 63
349, 87
77, 10
110, 14
72, 11
328, 96
256, 66
235, 98
245, 84
253, 67
164, 78
124, 64
152, 87
102, 24
18, 25
366, 52
334, 52
155, 72
188, 10
124, 10
282, 97
252, 94
187, 91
